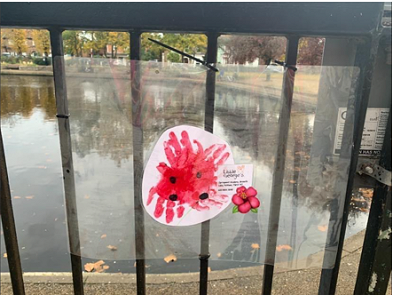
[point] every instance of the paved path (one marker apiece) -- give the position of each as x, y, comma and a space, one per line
229, 282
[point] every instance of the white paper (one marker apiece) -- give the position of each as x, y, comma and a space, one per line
180, 184
233, 176
373, 132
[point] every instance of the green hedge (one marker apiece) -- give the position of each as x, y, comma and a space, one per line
20, 59
41, 61
13, 59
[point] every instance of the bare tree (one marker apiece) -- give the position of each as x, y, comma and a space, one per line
241, 49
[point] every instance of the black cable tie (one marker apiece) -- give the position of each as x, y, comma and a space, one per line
285, 65
206, 64
62, 116
204, 256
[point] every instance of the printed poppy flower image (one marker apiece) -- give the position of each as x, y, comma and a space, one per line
245, 200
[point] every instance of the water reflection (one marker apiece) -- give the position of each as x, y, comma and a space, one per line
20, 95
101, 129
31, 141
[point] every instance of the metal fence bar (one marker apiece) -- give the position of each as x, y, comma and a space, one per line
209, 120
352, 136
376, 258
137, 142
7, 219
318, 19
279, 169
66, 158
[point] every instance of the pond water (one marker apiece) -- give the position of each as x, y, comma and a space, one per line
102, 149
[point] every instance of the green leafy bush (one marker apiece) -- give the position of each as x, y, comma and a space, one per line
41, 61
15, 59
11, 59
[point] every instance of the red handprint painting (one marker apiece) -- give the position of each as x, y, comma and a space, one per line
180, 179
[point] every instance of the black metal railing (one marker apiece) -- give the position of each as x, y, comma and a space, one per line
290, 20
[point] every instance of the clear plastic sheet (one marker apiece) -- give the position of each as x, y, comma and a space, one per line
248, 102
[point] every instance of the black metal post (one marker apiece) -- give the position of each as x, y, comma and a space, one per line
352, 136
7, 219
66, 157
211, 58
279, 169
137, 142
376, 261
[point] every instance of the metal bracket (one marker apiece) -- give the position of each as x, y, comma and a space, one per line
377, 172
204, 256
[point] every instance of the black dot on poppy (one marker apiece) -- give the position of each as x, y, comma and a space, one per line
172, 179
199, 175
173, 197
203, 196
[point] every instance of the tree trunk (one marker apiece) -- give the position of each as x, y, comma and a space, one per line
46, 57
267, 61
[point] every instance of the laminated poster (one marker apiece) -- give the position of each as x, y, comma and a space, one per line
191, 177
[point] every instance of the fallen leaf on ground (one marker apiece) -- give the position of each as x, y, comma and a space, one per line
170, 258
322, 227
89, 267
103, 236
98, 263
29, 197
17, 197
112, 248
357, 200
98, 266
5, 255
255, 246
292, 181
283, 247
367, 192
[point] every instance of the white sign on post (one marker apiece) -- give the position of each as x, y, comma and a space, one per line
373, 132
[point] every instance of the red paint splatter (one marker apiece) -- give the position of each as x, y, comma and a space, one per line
189, 178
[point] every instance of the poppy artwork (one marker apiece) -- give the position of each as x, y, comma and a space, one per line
180, 182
